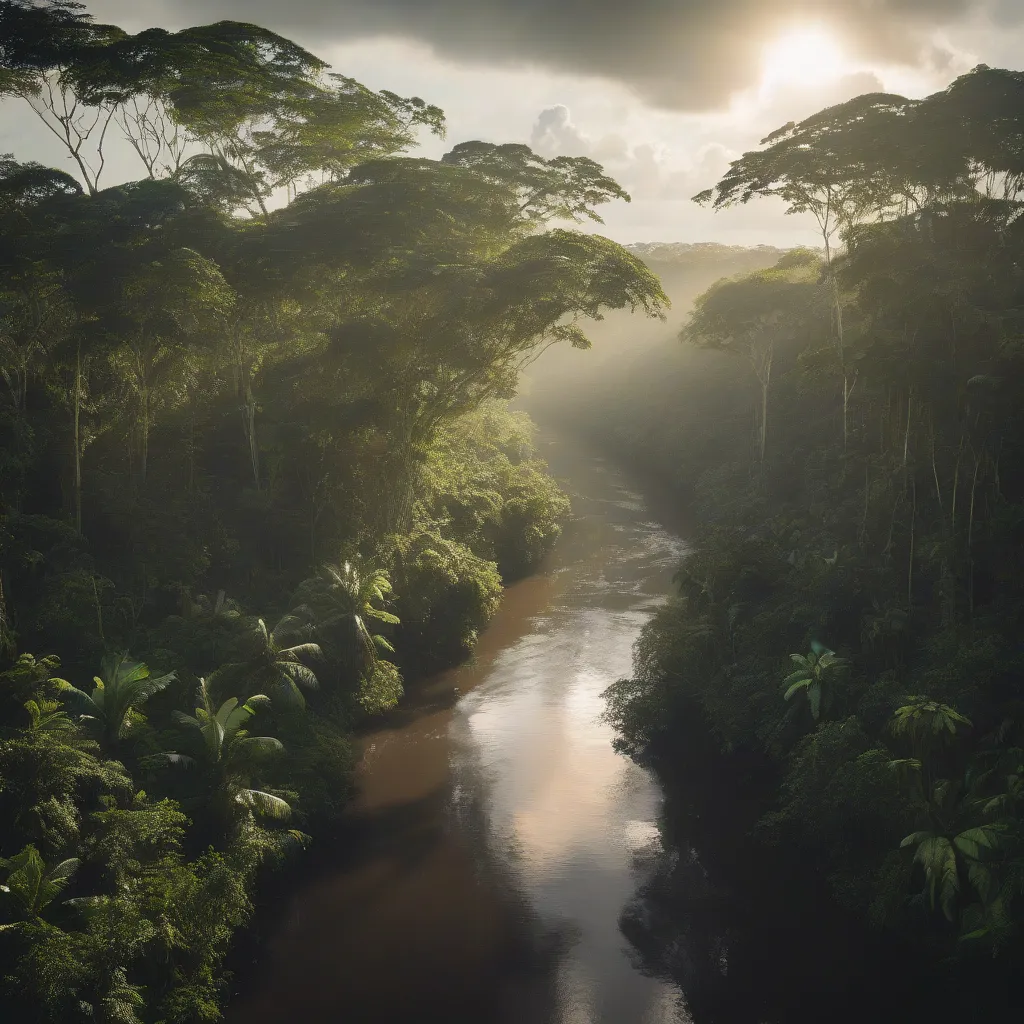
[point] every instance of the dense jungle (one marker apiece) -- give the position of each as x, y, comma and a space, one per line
265, 476
248, 398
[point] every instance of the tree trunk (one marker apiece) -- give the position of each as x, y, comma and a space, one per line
191, 441
78, 435
970, 541
248, 406
249, 425
906, 437
837, 305
910, 560
144, 438
766, 380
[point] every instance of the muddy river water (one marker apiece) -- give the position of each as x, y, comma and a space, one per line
497, 836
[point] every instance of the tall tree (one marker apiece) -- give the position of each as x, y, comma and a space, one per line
750, 316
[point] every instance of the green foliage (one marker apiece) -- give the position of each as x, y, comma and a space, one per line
484, 487
813, 677
447, 596
230, 757
344, 597
112, 709
30, 886
268, 661
269, 354
883, 513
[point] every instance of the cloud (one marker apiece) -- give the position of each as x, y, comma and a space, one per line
650, 169
678, 54
555, 134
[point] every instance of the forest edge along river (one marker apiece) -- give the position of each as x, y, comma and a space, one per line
501, 862
497, 837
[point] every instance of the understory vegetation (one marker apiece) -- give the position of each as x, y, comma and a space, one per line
257, 470
849, 613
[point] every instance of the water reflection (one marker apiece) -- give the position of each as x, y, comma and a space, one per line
497, 839
567, 814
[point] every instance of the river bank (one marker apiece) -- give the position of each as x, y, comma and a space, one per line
497, 837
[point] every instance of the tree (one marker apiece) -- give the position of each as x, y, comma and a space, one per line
815, 675
270, 662
564, 188
230, 756
44, 48
818, 167
927, 724
34, 309
749, 316
163, 306
347, 597
956, 846
30, 887
112, 709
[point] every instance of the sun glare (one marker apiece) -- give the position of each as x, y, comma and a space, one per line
803, 56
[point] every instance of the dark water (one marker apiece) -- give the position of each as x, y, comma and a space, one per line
498, 837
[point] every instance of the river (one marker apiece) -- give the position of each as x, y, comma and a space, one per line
498, 837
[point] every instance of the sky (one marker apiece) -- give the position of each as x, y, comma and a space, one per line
664, 93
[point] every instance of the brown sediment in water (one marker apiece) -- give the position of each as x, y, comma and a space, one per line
490, 849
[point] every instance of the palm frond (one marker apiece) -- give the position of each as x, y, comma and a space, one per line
307, 650
265, 804
80, 702
300, 674
260, 746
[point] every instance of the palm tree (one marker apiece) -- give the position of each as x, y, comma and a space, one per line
230, 755
271, 663
927, 724
30, 887
344, 596
112, 708
814, 672
49, 716
955, 846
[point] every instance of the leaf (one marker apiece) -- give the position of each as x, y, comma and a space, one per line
914, 838
984, 881
79, 701
814, 696
1001, 802
383, 644
266, 804
64, 870
303, 651
796, 688
300, 674
261, 746
383, 616
972, 841
938, 858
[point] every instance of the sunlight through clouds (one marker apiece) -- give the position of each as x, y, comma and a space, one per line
807, 55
